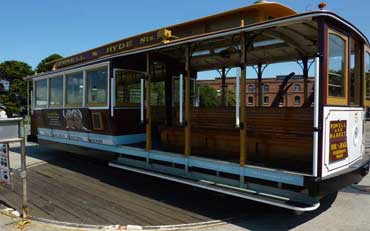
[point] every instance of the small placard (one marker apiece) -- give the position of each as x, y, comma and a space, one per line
338, 141
4, 164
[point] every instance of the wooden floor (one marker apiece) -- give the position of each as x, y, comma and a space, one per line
82, 190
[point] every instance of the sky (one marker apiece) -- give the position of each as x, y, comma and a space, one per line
32, 30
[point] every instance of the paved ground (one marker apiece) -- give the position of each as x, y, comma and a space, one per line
61, 185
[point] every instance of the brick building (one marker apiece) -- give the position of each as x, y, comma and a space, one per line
293, 97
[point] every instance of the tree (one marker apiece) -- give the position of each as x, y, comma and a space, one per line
208, 97
12, 70
47, 64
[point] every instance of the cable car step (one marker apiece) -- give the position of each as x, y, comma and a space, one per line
228, 190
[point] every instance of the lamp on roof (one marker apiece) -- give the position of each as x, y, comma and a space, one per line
322, 5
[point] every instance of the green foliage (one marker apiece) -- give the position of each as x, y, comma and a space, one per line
12, 70
47, 64
208, 97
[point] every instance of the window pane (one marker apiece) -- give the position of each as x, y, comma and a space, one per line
336, 66
367, 75
74, 89
266, 88
158, 94
298, 87
41, 93
297, 100
97, 86
56, 91
128, 88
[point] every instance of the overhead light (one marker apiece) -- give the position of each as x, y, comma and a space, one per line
269, 42
202, 52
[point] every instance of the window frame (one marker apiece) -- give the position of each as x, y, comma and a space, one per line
365, 97
299, 99
339, 100
96, 105
49, 90
39, 107
71, 71
118, 105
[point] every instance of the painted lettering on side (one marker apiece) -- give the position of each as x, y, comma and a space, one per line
338, 141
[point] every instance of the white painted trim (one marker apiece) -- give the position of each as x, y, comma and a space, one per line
84, 88
142, 99
237, 98
316, 119
181, 99
64, 90
84, 98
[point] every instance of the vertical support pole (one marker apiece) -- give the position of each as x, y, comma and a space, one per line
25, 212
305, 79
223, 88
259, 85
148, 102
187, 122
243, 112
316, 119
28, 99
142, 100
168, 94
237, 99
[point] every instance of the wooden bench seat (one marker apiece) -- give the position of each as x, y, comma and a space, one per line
274, 135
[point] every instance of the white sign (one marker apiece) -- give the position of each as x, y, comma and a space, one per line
4, 164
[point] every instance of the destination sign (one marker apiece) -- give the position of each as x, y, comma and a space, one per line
338, 141
143, 40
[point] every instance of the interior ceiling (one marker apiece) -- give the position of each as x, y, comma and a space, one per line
276, 44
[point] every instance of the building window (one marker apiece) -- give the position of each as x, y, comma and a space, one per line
266, 100
74, 89
297, 100
41, 93
337, 62
250, 100
56, 91
97, 86
266, 88
128, 88
298, 88
251, 88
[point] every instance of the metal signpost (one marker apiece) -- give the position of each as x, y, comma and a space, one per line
12, 131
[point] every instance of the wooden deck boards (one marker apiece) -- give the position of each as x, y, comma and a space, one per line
82, 190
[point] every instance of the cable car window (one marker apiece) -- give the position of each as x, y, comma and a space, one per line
128, 88
337, 62
74, 89
41, 93
158, 93
97, 86
56, 91
367, 75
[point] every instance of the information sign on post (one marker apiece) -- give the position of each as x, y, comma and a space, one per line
4, 164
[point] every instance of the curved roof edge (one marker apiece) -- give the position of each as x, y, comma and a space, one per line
258, 26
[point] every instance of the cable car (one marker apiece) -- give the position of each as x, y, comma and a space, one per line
137, 102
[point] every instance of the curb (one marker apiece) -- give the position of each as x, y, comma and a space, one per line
12, 213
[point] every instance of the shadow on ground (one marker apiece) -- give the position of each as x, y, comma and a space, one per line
154, 201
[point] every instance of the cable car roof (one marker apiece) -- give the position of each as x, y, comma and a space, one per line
268, 24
